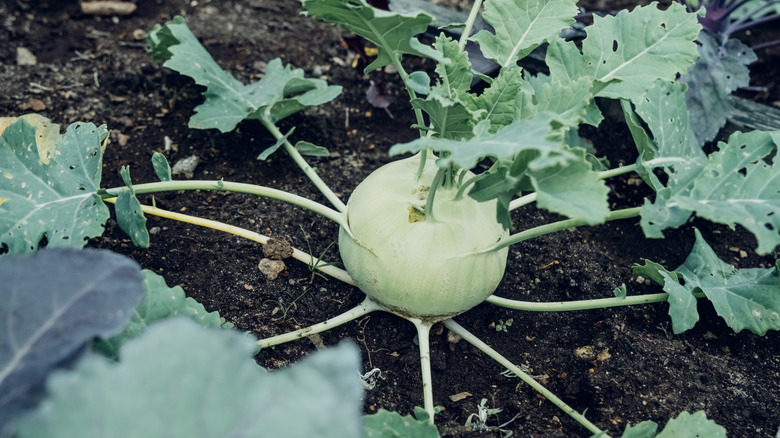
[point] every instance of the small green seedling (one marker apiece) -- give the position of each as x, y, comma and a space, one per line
316, 263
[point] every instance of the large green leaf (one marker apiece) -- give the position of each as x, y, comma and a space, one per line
497, 103
449, 117
738, 185
51, 305
393, 33
160, 302
503, 145
57, 200
455, 75
744, 298
183, 380
281, 92
630, 51
521, 26
721, 70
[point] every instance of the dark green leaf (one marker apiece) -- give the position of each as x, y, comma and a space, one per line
53, 304
271, 149
386, 424
311, 149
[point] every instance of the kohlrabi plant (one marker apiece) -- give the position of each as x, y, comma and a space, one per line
426, 237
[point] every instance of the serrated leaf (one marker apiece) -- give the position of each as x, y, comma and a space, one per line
744, 298
52, 304
521, 26
161, 166
392, 33
572, 189
226, 392
498, 102
503, 145
721, 70
160, 302
738, 185
645, 429
281, 92
57, 200
449, 117
386, 424
630, 51
129, 215
456, 75
692, 426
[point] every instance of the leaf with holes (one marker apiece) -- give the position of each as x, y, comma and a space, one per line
57, 201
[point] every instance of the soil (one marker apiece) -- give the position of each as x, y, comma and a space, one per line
96, 69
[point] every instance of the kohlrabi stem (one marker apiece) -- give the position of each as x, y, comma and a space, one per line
366, 307
559, 226
423, 338
437, 180
163, 186
328, 269
521, 201
307, 170
475, 341
563, 306
464, 37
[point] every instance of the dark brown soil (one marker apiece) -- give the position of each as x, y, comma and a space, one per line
96, 69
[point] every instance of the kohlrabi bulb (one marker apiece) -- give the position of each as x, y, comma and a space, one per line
412, 265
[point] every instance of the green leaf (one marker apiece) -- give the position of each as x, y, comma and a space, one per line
521, 26
449, 117
744, 298
160, 302
311, 149
53, 303
281, 92
392, 33
498, 101
273, 148
386, 424
129, 215
721, 70
738, 185
572, 189
645, 429
161, 166
57, 200
672, 146
692, 426
630, 51
184, 380
503, 145
419, 81
455, 75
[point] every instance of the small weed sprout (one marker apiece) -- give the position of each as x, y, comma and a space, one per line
369, 379
315, 264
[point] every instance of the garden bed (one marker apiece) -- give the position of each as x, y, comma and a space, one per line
96, 69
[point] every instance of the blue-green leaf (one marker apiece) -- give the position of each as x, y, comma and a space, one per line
630, 51
129, 215
281, 92
392, 33
161, 166
721, 70
183, 380
521, 26
53, 303
57, 200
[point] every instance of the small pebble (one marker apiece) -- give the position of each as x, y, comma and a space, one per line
25, 57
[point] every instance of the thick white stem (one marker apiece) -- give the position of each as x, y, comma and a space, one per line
423, 336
